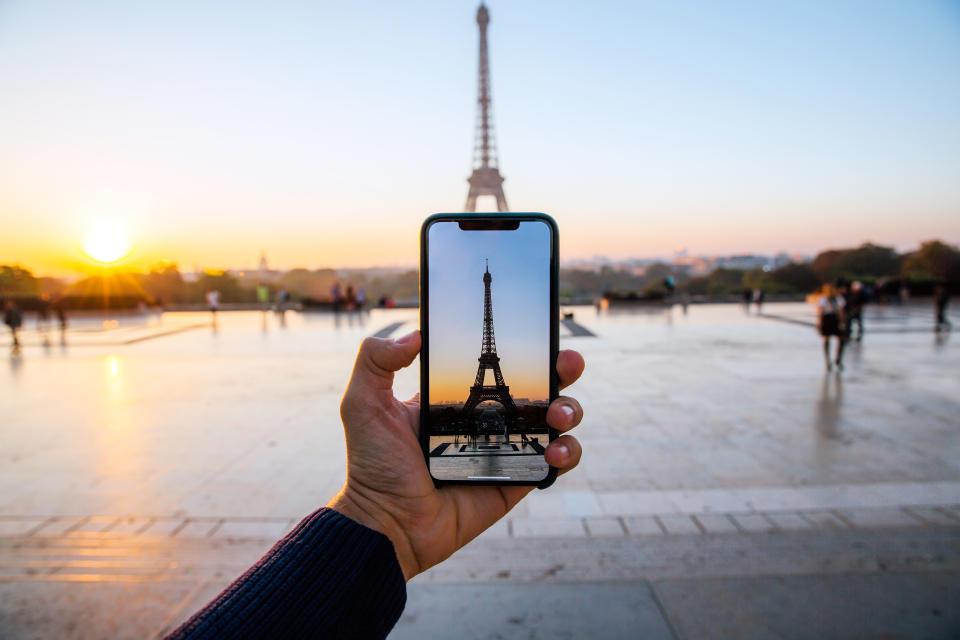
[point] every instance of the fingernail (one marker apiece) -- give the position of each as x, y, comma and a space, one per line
564, 451
406, 339
567, 412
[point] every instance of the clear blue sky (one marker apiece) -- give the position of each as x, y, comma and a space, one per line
520, 297
323, 132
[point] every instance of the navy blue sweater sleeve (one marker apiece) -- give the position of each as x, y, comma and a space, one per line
330, 577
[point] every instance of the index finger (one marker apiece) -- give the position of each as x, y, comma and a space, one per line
569, 367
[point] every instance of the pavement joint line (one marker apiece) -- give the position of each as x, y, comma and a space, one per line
696, 521
663, 528
78, 524
163, 334
110, 526
149, 524
664, 613
623, 525
179, 527
928, 521
917, 516
842, 518
812, 523
736, 524
216, 528
40, 526
948, 513
768, 518
175, 613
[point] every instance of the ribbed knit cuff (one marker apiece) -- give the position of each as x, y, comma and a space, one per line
330, 577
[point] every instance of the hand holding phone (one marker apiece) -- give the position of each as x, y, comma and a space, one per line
389, 487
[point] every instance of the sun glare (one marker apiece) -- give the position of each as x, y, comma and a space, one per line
107, 244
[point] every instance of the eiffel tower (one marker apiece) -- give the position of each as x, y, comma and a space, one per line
485, 179
499, 391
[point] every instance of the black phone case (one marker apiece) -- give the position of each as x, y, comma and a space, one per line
425, 329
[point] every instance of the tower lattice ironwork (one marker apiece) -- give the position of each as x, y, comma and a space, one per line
489, 360
485, 179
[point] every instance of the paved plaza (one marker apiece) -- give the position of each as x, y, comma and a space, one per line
729, 487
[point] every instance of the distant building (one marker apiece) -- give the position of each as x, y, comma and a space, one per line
743, 262
264, 273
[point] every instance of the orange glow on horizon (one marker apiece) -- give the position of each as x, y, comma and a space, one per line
529, 387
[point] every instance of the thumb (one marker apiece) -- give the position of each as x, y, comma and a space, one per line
379, 358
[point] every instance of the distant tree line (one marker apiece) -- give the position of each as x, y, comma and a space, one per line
164, 284
933, 262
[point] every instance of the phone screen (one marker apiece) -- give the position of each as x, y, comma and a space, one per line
489, 351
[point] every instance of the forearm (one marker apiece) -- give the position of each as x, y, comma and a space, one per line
330, 577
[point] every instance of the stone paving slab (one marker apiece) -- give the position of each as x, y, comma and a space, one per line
644, 526
715, 523
826, 520
742, 554
832, 606
679, 524
20, 527
903, 605
609, 610
96, 524
91, 610
198, 528
130, 525
879, 518
790, 521
547, 528
604, 527
59, 525
754, 522
264, 530
165, 527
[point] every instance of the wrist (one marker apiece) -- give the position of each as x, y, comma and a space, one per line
361, 509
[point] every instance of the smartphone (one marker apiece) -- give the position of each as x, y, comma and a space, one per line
489, 323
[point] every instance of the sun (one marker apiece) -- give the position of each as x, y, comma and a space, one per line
107, 244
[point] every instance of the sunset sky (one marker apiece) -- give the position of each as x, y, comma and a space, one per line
324, 132
520, 294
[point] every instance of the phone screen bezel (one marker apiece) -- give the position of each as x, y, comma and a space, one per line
425, 332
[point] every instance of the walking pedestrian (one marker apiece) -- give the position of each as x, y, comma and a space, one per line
831, 322
263, 297
13, 318
282, 297
213, 303
61, 320
336, 296
43, 313
854, 300
940, 299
